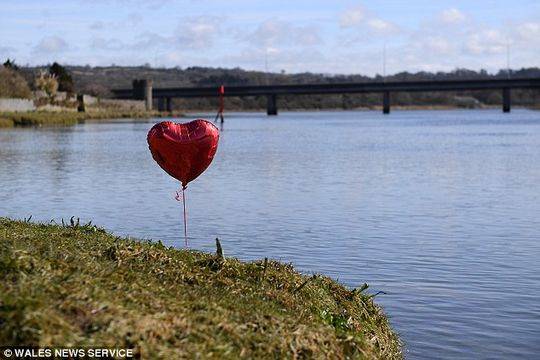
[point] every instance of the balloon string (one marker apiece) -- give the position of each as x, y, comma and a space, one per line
217, 116
185, 216
177, 197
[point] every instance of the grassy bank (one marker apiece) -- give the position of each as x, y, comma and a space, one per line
44, 118
81, 286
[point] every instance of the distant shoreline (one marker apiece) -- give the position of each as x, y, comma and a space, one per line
66, 118
374, 108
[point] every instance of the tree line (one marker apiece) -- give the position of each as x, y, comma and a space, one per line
17, 82
99, 81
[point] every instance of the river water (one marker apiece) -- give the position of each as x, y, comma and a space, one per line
439, 209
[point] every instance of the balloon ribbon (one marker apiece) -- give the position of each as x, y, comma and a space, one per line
177, 197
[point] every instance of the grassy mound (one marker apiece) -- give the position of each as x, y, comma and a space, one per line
80, 286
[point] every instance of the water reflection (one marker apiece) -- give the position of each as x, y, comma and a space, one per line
438, 209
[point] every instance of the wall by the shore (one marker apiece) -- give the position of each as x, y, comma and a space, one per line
127, 105
63, 103
116, 104
16, 105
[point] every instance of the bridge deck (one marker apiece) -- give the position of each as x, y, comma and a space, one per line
339, 88
142, 89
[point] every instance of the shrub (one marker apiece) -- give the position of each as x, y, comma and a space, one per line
47, 82
13, 85
10, 64
65, 82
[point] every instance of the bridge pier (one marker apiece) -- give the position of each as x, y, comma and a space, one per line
507, 100
271, 104
142, 90
161, 104
386, 102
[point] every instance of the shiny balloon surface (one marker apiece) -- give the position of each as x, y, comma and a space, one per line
184, 151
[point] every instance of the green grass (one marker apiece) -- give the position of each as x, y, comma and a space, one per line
38, 118
51, 118
81, 286
4, 123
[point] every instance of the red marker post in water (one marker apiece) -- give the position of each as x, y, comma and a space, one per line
221, 94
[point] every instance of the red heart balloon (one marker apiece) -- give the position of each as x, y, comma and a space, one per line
184, 151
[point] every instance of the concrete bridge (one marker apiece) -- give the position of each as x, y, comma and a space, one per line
142, 89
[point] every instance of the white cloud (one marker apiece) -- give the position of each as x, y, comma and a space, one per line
197, 33
381, 27
452, 16
135, 18
190, 34
485, 42
290, 59
352, 16
528, 31
438, 45
97, 25
150, 40
359, 18
51, 44
6, 49
100, 43
292, 39
274, 33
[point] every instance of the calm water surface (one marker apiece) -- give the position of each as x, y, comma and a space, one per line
439, 209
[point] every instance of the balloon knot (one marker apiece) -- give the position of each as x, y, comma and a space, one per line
178, 196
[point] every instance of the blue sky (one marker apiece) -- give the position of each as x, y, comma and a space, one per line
295, 36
